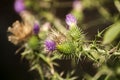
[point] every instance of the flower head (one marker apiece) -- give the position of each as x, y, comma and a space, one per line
50, 45
19, 6
19, 32
77, 5
36, 28
70, 20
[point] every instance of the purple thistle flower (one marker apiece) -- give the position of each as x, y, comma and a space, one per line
77, 5
70, 20
50, 45
19, 6
36, 28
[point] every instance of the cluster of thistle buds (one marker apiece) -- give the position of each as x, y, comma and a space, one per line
31, 33
68, 43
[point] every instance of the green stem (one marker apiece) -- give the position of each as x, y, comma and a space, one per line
104, 70
40, 72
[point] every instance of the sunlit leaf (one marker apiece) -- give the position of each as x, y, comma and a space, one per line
112, 33
117, 4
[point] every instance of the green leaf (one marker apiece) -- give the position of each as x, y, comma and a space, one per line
112, 33
117, 4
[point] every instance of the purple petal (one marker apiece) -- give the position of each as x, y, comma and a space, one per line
70, 19
77, 5
36, 28
19, 6
50, 45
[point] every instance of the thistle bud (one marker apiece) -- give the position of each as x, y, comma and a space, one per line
36, 28
75, 33
19, 6
77, 5
33, 42
50, 45
66, 48
70, 20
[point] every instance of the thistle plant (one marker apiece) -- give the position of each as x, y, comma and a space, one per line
45, 40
